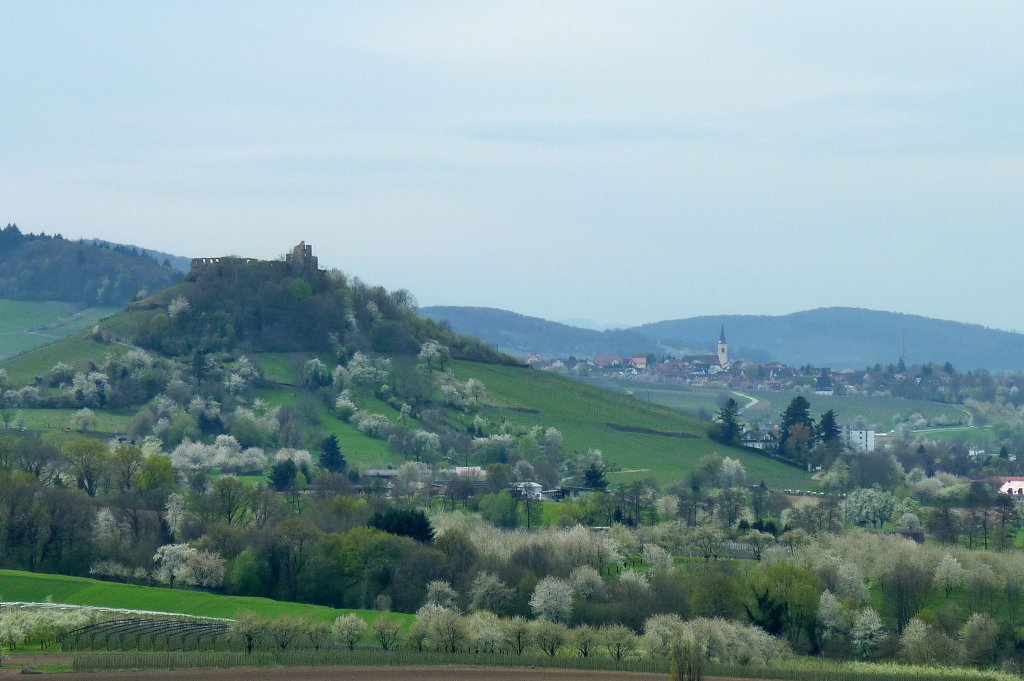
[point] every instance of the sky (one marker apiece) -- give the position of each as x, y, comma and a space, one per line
613, 161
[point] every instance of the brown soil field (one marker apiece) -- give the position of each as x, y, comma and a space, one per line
335, 674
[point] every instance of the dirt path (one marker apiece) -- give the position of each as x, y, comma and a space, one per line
748, 405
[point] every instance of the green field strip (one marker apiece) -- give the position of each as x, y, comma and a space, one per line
20, 586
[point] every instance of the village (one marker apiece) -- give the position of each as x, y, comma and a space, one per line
719, 370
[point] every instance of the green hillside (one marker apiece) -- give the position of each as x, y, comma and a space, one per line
583, 414
29, 324
766, 407
31, 587
283, 314
40, 267
519, 395
77, 350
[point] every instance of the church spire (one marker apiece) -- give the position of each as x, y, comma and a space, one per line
723, 349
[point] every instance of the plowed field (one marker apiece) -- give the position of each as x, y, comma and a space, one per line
347, 674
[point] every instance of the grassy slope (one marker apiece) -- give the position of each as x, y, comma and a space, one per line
29, 324
16, 585
359, 450
77, 350
581, 412
58, 419
286, 369
878, 410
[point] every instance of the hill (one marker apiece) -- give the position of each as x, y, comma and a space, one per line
178, 262
520, 335
284, 315
844, 337
291, 305
835, 337
41, 267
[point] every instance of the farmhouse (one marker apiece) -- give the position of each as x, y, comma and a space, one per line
1013, 488
759, 439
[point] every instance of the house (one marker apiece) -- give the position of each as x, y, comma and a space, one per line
378, 480
528, 490
638, 362
382, 473
604, 361
1013, 488
576, 493
759, 439
859, 440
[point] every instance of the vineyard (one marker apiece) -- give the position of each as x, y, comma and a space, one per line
147, 634
881, 412
583, 414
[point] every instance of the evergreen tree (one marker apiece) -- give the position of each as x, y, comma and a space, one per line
797, 416
407, 522
728, 429
594, 478
828, 429
331, 457
283, 474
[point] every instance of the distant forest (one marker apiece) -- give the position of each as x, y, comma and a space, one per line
43, 267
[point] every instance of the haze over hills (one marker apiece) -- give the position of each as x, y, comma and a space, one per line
178, 262
521, 335
836, 337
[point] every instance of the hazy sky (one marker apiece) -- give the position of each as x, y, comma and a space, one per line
628, 161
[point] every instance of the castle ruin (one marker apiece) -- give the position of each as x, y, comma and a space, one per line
300, 259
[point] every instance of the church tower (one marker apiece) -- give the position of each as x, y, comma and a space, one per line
723, 349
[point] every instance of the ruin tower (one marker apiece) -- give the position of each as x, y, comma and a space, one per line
301, 259
723, 349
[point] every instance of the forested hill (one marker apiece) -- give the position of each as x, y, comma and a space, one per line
844, 337
836, 337
178, 262
289, 305
41, 267
521, 335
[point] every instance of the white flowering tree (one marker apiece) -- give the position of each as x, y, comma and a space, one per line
552, 599
184, 564
178, 306
433, 356
867, 633
949, 574
349, 629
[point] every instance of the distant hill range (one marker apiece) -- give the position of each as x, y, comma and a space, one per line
41, 267
835, 337
520, 335
178, 262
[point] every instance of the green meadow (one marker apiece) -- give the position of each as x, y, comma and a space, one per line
30, 587
27, 324
583, 414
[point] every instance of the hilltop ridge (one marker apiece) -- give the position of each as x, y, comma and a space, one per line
288, 305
